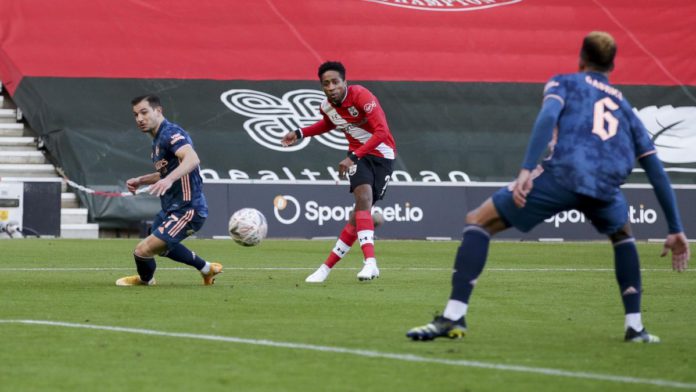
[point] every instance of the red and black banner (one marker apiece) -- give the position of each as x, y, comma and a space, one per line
460, 80
386, 40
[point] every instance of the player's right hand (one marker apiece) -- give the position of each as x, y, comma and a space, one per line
679, 245
289, 139
132, 184
160, 187
521, 188
344, 168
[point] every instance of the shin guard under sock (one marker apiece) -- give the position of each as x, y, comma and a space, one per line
345, 241
469, 262
366, 233
146, 267
182, 254
627, 269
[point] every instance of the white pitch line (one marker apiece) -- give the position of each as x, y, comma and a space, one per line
88, 269
368, 354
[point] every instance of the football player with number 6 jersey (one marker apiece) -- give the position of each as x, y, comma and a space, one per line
598, 139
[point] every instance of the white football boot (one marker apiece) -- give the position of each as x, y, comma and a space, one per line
319, 275
369, 270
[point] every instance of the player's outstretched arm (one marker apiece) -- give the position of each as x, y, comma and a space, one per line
322, 126
132, 184
136, 182
676, 241
188, 162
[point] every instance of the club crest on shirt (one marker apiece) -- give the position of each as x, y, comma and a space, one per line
353, 111
161, 166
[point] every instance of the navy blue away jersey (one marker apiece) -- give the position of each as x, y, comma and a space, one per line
599, 135
186, 192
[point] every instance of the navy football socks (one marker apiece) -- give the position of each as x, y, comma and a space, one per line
182, 254
469, 262
627, 268
146, 267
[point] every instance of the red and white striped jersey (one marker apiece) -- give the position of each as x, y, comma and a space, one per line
361, 119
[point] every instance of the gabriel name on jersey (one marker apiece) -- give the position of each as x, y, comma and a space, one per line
599, 135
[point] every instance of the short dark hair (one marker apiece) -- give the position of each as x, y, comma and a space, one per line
598, 51
332, 66
152, 99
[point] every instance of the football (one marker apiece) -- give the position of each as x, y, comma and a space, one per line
248, 227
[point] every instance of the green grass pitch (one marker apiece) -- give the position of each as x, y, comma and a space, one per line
544, 317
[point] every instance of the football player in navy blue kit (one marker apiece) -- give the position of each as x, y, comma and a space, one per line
177, 182
598, 139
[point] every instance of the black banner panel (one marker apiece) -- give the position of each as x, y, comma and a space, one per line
460, 87
445, 132
415, 211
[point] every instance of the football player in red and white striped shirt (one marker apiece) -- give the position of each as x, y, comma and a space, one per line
371, 152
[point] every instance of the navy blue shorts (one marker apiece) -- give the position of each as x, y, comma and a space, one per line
174, 226
547, 198
374, 171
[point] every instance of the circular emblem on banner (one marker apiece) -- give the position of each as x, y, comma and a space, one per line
283, 202
271, 117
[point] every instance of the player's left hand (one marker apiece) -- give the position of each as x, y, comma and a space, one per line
679, 246
344, 167
160, 187
523, 185
288, 139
